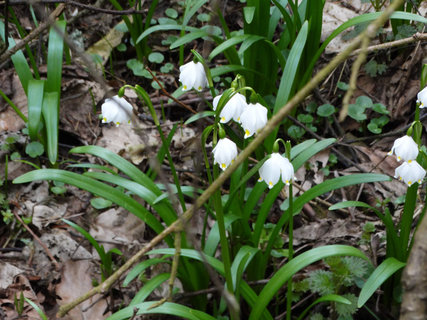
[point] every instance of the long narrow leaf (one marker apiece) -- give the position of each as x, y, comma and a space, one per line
291, 268
148, 288
292, 63
165, 27
384, 271
98, 188
51, 119
169, 308
35, 102
120, 163
54, 58
326, 298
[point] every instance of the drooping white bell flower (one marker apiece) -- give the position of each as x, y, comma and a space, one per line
224, 153
253, 118
232, 109
116, 110
422, 98
405, 148
410, 172
274, 168
192, 75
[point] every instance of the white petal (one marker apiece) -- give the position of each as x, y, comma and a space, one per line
253, 118
224, 153
192, 75
405, 148
116, 110
410, 172
422, 98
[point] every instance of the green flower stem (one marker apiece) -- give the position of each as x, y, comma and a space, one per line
142, 94
291, 252
14, 107
274, 122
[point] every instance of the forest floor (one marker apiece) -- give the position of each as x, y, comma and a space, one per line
25, 265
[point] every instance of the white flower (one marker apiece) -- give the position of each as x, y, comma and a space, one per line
232, 109
410, 172
275, 167
224, 153
253, 119
116, 110
192, 75
405, 148
422, 98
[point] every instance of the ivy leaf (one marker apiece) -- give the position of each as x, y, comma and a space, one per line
325, 110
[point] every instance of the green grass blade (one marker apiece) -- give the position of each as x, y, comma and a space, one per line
19, 62
165, 27
164, 209
97, 188
168, 308
13, 106
188, 38
51, 118
92, 166
407, 219
291, 268
37, 308
87, 235
248, 294
35, 102
311, 151
334, 184
384, 271
291, 68
220, 70
212, 242
229, 43
139, 268
55, 53
240, 263
149, 287
120, 163
191, 8
326, 298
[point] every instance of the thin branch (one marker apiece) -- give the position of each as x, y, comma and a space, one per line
273, 123
80, 5
34, 34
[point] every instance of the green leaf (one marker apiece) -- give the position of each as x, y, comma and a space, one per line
203, 17
54, 58
380, 108
97, 188
200, 115
138, 69
156, 57
285, 273
171, 13
384, 271
165, 27
37, 308
139, 268
325, 110
356, 112
326, 298
248, 13
295, 132
168, 308
34, 149
188, 38
51, 118
290, 71
148, 288
35, 102
100, 203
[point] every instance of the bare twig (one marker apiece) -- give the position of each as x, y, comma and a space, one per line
81, 5
45, 248
34, 34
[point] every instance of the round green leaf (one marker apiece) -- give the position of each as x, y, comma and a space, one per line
168, 67
100, 203
121, 47
325, 110
295, 132
156, 57
34, 149
203, 17
171, 13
